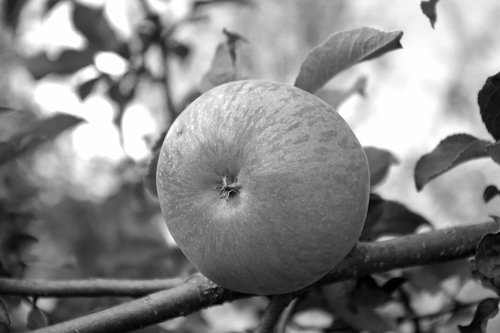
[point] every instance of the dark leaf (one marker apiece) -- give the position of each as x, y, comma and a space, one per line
68, 62
6, 109
368, 293
489, 105
487, 309
87, 87
363, 318
386, 217
429, 10
46, 130
490, 192
37, 319
335, 97
379, 161
341, 51
449, 153
4, 314
202, 3
50, 4
487, 261
181, 50
394, 284
430, 277
494, 151
11, 11
224, 66
92, 23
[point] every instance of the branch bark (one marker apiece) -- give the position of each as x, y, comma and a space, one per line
85, 288
366, 258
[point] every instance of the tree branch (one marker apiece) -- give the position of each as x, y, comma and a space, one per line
85, 288
198, 292
273, 312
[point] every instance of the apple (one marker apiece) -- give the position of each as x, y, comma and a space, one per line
263, 186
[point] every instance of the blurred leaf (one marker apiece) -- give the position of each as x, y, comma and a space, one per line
379, 161
487, 261
490, 192
68, 62
494, 151
4, 314
386, 217
489, 105
224, 66
429, 10
335, 97
487, 309
87, 87
11, 11
92, 23
370, 294
37, 319
179, 49
341, 51
197, 4
6, 109
430, 277
50, 4
46, 130
449, 153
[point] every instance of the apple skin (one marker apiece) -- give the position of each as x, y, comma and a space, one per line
263, 186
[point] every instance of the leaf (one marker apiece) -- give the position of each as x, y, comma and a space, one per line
429, 10
11, 11
68, 62
37, 319
6, 109
92, 23
224, 66
494, 151
4, 314
430, 277
449, 153
487, 261
87, 87
386, 217
44, 131
369, 293
490, 192
487, 309
489, 105
335, 97
341, 51
379, 161
49, 5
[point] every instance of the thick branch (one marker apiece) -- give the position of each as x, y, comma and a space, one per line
198, 292
85, 288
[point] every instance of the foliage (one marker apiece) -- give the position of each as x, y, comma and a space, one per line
118, 238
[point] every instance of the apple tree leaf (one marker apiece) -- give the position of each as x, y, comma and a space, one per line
429, 10
449, 153
369, 293
92, 23
487, 261
379, 162
341, 51
37, 319
335, 97
430, 277
494, 151
490, 192
387, 217
225, 65
4, 314
87, 87
11, 11
488, 99
486, 309
44, 131
68, 62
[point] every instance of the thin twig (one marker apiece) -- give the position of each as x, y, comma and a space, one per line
273, 312
85, 288
198, 292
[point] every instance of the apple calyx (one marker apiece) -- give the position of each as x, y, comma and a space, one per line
228, 188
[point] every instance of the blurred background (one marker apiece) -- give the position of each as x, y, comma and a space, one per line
93, 216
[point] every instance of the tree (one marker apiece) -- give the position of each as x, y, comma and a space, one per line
134, 262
